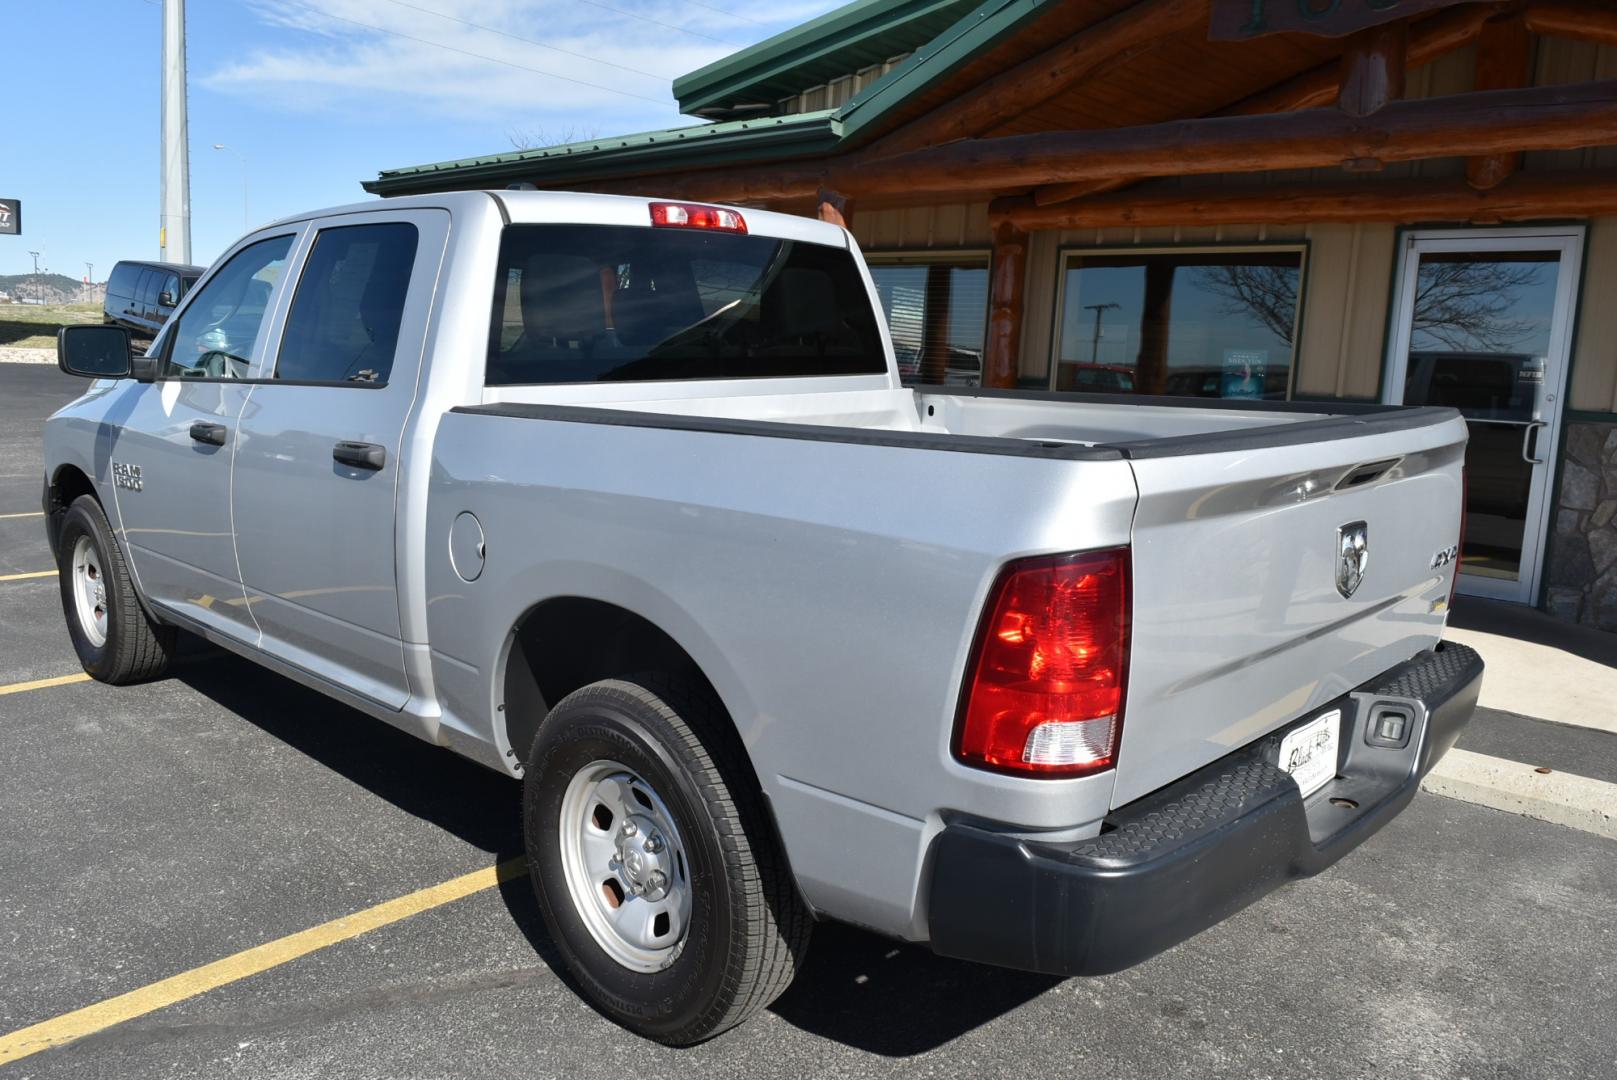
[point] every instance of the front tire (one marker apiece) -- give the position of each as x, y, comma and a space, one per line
658, 875
117, 643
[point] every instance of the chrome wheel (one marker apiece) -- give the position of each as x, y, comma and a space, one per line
625, 866
90, 591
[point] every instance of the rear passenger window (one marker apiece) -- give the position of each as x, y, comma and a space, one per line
344, 323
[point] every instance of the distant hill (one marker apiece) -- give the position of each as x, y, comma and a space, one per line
52, 288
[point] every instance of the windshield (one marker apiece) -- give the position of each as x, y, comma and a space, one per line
593, 303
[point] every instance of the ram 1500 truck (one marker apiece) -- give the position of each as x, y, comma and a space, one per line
626, 498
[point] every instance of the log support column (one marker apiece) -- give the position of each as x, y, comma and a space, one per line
1007, 289
1504, 62
834, 207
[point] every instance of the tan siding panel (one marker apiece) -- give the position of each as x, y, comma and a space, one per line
1594, 364
1345, 311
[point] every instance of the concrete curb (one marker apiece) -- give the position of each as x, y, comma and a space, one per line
27, 356
1560, 798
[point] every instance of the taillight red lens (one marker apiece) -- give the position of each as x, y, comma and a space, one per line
696, 216
1045, 690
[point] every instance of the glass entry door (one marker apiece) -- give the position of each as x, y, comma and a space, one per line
1483, 323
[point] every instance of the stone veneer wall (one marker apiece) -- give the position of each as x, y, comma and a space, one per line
1583, 552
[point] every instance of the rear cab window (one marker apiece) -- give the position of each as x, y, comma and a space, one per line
606, 303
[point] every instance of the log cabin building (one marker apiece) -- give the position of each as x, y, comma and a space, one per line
1367, 200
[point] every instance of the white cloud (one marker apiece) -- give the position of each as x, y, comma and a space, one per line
404, 56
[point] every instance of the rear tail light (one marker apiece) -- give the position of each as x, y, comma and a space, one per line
678, 215
1044, 694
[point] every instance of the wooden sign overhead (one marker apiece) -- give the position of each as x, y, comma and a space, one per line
1237, 20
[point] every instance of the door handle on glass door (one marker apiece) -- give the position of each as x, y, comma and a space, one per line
212, 434
1527, 441
361, 455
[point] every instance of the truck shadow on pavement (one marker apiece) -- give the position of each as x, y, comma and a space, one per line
856, 988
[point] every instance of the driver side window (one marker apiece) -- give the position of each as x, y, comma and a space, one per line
215, 336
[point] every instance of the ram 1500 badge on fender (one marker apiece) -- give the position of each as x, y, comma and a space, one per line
626, 499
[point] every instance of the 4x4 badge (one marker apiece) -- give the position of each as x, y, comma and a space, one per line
1352, 556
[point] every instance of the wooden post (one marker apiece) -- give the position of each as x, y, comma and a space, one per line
833, 206
1373, 69
1504, 61
1151, 362
934, 364
1002, 359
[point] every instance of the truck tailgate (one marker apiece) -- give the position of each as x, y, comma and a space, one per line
1239, 623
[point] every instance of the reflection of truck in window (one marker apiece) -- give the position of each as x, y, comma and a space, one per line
626, 498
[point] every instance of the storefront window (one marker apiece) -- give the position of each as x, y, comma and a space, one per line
1219, 323
937, 311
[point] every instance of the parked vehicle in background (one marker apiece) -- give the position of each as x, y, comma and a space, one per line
142, 295
626, 498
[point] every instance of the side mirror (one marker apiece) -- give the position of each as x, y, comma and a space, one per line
165, 299
93, 352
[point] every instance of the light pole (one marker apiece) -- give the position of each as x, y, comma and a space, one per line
35, 254
1094, 345
89, 282
246, 213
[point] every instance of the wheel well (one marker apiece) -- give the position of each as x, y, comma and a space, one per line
68, 484
569, 642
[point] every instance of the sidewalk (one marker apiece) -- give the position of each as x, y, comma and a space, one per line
1547, 720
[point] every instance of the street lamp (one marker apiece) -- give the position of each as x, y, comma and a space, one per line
246, 214
38, 293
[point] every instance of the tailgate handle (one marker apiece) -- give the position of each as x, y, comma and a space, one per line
361, 455
1366, 473
1527, 441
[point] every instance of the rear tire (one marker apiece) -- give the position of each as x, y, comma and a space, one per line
719, 930
117, 643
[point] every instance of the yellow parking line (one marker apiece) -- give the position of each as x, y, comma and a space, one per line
28, 576
31, 513
188, 984
43, 684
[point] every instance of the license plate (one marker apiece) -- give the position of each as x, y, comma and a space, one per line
1309, 753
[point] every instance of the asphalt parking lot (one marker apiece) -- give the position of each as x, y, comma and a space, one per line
151, 830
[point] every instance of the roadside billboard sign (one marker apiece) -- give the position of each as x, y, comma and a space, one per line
10, 217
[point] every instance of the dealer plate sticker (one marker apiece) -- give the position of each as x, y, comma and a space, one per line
1309, 753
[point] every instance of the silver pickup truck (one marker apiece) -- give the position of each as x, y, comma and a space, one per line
625, 498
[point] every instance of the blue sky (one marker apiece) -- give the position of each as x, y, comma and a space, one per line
317, 95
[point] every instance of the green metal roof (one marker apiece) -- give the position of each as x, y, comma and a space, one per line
835, 44
770, 138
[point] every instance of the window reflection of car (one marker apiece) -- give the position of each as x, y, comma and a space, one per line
225, 347
1499, 387
1100, 379
142, 295
964, 366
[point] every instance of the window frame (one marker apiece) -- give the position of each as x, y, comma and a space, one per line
1067, 252
306, 249
928, 257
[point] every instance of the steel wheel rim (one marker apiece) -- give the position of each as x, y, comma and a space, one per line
90, 591
625, 866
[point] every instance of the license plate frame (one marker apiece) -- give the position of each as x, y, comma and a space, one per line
1308, 753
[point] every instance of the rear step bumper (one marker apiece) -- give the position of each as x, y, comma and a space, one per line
1195, 852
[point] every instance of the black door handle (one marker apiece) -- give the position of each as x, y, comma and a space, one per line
212, 434
361, 455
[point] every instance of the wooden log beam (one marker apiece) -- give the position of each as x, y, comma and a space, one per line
1373, 69
1524, 197
1581, 20
1539, 118
1504, 60
1050, 73
1002, 359
1443, 33
1429, 39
